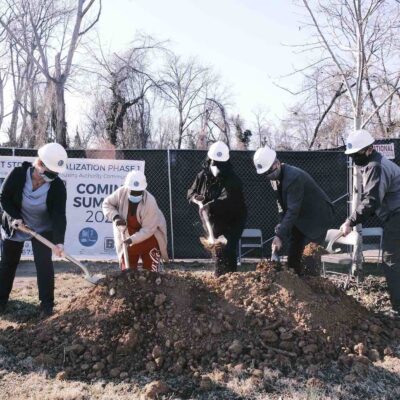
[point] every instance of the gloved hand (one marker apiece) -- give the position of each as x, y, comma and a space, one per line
198, 199
277, 244
58, 251
119, 221
128, 241
16, 222
276, 229
345, 228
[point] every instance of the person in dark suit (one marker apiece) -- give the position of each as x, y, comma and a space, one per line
305, 210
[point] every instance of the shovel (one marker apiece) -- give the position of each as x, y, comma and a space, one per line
93, 279
211, 242
124, 247
275, 257
329, 248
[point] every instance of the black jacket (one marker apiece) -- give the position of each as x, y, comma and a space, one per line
381, 190
227, 210
11, 202
302, 204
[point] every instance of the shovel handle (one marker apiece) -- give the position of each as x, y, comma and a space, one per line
53, 247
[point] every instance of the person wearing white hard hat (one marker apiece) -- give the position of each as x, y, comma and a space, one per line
132, 208
381, 197
219, 191
305, 211
34, 195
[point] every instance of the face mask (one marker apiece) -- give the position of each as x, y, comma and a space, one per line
274, 175
214, 170
360, 159
47, 176
135, 199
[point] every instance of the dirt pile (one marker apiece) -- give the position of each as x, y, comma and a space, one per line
181, 323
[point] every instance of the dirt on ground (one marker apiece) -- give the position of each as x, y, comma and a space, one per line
185, 334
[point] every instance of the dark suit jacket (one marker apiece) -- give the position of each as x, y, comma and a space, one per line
302, 204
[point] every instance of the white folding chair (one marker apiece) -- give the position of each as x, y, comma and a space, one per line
378, 233
256, 241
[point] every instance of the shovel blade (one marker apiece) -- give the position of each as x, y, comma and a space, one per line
93, 279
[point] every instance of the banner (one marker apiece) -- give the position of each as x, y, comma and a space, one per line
88, 182
386, 149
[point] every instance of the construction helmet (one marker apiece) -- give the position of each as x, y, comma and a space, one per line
358, 140
263, 159
136, 180
54, 157
218, 151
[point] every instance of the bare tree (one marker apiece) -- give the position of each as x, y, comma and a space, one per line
62, 24
184, 85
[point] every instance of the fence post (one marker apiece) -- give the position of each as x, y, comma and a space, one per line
13, 151
170, 205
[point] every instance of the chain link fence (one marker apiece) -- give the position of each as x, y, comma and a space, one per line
170, 173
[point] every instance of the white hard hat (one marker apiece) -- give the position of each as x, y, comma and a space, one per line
263, 159
218, 151
54, 157
136, 180
358, 140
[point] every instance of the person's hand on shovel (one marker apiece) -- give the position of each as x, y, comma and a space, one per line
59, 250
276, 244
346, 228
128, 241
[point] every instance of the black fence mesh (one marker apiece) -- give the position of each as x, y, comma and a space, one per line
328, 168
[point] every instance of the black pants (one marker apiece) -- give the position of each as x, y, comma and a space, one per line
391, 258
298, 241
11, 255
226, 257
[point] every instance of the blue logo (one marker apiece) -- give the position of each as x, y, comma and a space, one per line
349, 145
60, 163
136, 183
88, 237
219, 154
259, 166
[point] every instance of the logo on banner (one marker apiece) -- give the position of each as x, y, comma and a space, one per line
109, 244
88, 237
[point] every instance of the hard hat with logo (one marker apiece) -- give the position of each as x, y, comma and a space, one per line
263, 159
218, 151
136, 180
54, 157
358, 140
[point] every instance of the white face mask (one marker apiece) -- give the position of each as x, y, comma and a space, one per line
135, 199
214, 170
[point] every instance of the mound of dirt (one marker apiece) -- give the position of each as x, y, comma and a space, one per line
179, 323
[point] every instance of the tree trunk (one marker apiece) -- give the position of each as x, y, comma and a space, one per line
12, 130
59, 112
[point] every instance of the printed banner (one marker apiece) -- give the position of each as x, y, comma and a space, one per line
88, 182
387, 149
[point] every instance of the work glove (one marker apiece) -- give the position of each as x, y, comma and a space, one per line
346, 228
119, 221
276, 229
58, 250
16, 222
128, 241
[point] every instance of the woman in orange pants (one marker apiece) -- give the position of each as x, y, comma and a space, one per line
135, 212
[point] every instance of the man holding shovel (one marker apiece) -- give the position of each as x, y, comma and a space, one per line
217, 191
381, 197
305, 210
35, 196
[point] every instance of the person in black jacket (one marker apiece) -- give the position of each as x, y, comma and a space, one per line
35, 196
380, 197
305, 210
221, 192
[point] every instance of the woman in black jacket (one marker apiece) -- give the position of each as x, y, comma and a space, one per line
221, 191
35, 196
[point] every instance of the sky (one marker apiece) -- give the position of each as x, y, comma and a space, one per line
246, 41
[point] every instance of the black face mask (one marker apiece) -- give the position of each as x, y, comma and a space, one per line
360, 159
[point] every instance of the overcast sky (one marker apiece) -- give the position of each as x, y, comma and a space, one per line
244, 40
